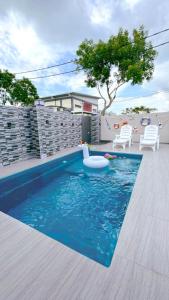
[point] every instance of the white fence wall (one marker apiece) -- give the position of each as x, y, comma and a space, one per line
108, 131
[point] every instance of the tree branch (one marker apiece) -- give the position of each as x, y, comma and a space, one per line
98, 88
111, 99
116, 88
108, 91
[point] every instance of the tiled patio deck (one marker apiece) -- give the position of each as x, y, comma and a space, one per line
35, 267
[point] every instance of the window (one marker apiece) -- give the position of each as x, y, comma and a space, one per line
78, 106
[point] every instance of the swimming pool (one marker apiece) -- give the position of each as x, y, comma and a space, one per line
81, 208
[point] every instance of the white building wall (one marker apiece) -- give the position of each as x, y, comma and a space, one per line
108, 131
77, 106
66, 103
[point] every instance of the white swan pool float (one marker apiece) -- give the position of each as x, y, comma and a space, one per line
93, 161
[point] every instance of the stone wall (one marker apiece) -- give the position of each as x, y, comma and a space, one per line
15, 134
57, 130
35, 144
95, 129
36, 132
86, 128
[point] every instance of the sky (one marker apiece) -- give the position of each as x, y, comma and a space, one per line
40, 33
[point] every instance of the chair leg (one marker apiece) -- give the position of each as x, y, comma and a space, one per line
158, 145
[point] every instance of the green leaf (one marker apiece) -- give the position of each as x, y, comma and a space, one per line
131, 57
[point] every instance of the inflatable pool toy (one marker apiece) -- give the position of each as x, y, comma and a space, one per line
109, 156
94, 161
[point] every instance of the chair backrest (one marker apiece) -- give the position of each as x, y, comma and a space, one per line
151, 132
126, 131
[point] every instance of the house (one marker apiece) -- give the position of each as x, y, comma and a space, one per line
75, 102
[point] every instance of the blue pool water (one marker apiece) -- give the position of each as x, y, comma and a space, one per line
81, 208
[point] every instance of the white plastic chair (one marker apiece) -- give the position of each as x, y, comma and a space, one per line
150, 138
124, 138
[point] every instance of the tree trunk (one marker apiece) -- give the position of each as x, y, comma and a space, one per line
111, 99
107, 106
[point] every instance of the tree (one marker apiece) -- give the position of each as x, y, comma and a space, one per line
24, 92
19, 90
6, 79
138, 109
113, 63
